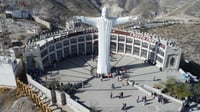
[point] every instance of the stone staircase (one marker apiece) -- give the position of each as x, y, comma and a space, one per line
47, 100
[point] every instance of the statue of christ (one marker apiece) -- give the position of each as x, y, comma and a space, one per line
104, 25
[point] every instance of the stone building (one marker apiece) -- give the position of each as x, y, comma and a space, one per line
53, 47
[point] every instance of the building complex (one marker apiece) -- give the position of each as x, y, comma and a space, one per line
49, 48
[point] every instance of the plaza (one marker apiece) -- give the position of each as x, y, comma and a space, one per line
71, 58
96, 93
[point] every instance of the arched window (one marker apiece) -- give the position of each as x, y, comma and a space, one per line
172, 61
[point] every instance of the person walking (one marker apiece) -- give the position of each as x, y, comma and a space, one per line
122, 94
113, 86
124, 106
138, 98
111, 95
145, 99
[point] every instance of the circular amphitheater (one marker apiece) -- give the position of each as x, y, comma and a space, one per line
71, 57
50, 48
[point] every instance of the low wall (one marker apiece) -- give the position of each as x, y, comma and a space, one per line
142, 89
70, 102
46, 91
41, 21
164, 95
75, 105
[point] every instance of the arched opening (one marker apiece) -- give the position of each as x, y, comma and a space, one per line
172, 61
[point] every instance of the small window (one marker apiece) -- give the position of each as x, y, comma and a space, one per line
59, 54
121, 47
81, 48
89, 47
136, 51
88, 37
51, 48
144, 53
58, 45
153, 47
113, 46
121, 38
66, 42
73, 40
129, 40
128, 49
113, 37
137, 42
66, 51
145, 45
81, 38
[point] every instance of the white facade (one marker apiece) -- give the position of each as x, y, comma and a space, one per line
64, 44
10, 67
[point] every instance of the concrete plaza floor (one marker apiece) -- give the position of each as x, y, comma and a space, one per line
96, 93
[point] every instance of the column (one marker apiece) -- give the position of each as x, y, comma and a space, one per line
63, 53
70, 52
85, 45
125, 44
117, 43
132, 52
148, 50
77, 46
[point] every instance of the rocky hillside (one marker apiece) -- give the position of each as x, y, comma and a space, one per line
148, 9
65, 8
60, 10
13, 101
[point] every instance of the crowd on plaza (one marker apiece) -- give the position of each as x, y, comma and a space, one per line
119, 73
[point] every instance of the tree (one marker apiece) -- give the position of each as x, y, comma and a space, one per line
170, 83
178, 88
182, 90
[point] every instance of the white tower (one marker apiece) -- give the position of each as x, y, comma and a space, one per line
104, 25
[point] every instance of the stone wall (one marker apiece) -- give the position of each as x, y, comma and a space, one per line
70, 102
43, 22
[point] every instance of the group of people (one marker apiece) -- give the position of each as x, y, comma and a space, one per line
144, 99
121, 95
161, 99
115, 72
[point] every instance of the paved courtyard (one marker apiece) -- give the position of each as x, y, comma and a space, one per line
96, 93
